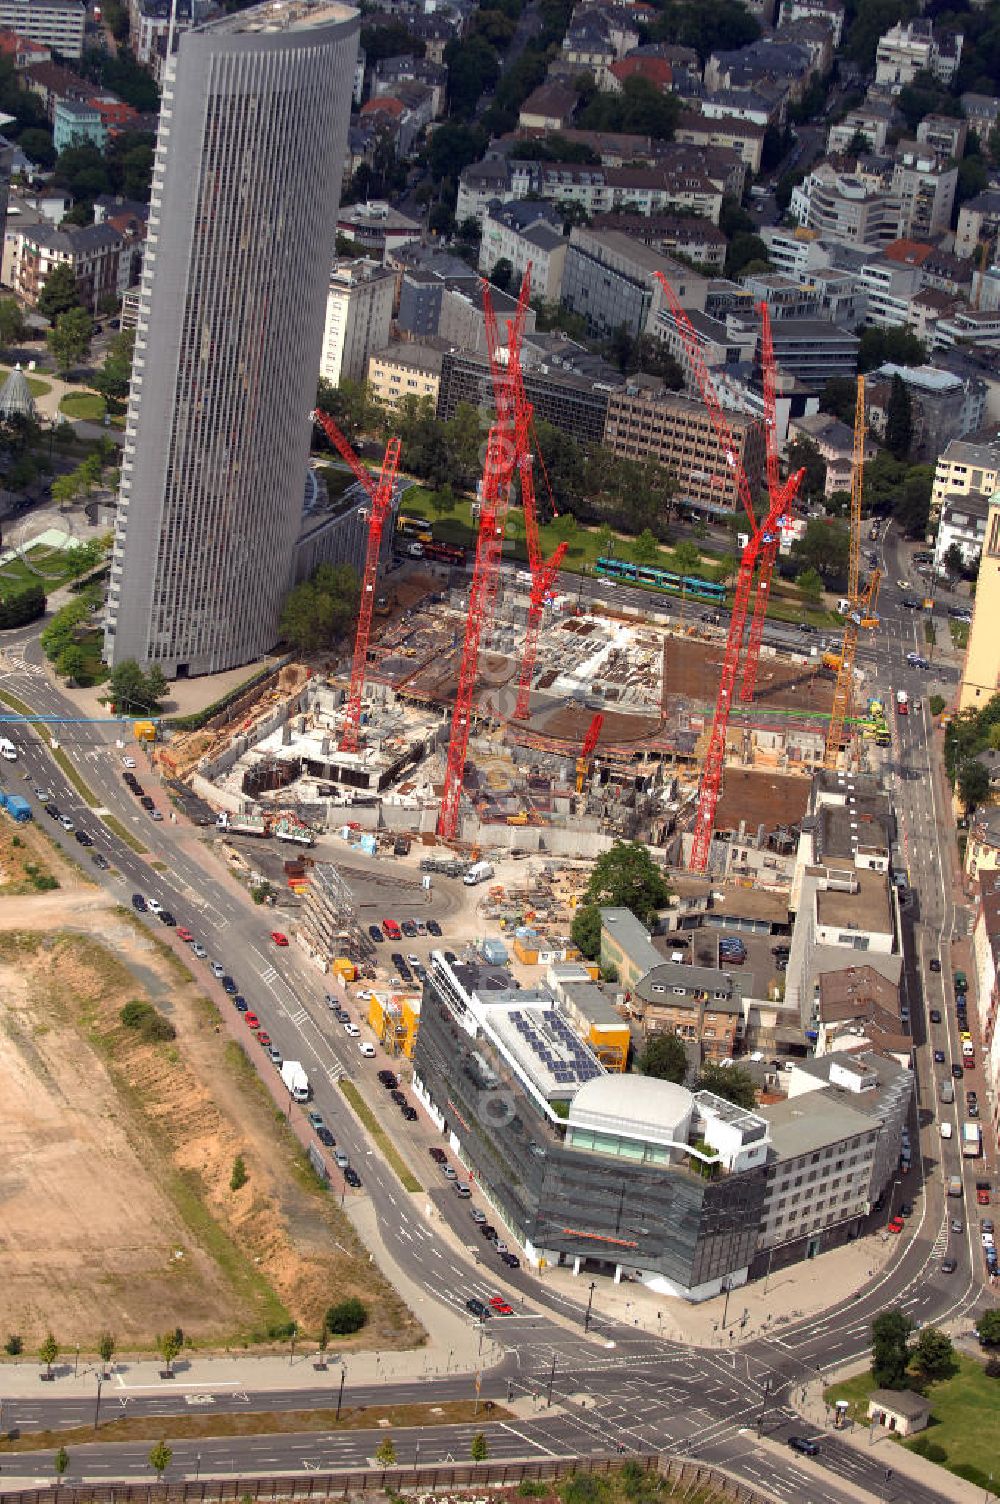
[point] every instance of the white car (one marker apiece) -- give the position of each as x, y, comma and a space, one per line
199, 951
128, 762
218, 970
155, 907
368, 1050
412, 960
352, 1030
67, 824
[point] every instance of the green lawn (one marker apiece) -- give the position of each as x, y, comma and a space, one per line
88, 407
36, 387
96, 671
965, 1419
456, 526
52, 566
959, 633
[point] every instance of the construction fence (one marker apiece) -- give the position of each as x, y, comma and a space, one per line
688, 1477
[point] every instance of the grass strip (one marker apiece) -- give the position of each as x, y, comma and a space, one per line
257, 1423
83, 789
118, 829
13, 703
378, 1133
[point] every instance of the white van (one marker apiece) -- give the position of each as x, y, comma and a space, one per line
7, 750
946, 1130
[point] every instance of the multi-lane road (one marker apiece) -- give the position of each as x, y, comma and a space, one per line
638, 1391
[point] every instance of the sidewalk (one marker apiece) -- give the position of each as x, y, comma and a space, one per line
802, 1290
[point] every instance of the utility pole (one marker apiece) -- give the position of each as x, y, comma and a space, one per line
552, 1379
590, 1305
97, 1407
725, 1308
763, 1405
340, 1396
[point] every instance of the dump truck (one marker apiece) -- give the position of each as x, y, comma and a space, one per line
296, 1081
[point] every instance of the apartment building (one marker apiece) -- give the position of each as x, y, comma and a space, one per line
626, 947
924, 186
981, 670
700, 1004
407, 370
646, 421
835, 442
874, 120
696, 187
610, 280
857, 1005
813, 350
962, 525
943, 404
93, 252
840, 206
982, 850
741, 136
965, 468
523, 234
830, 11
978, 220
909, 48
357, 319
695, 239
58, 24
549, 107
945, 135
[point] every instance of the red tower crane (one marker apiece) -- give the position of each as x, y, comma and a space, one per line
492, 521
589, 743
541, 584
381, 506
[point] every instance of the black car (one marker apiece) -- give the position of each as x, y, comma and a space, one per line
84, 839
939, 1057
935, 1015
398, 959
165, 917
958, 1072
138, 790
376, 934
910, 602
405, 974
433, 928
409, 929
397, 1096
806, 626
147, 802
906, 1209
53, 812
972, 1109
488, 1231
387, 1078
450, 957
228, 985
138, 903
803, 1444
478, 1308
970, 1097
100, 860
409, 1113
325, 1137
511, 1260
352, 1177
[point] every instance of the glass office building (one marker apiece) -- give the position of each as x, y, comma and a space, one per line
623, 1174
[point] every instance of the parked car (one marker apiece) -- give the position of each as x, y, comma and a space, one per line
803, 1445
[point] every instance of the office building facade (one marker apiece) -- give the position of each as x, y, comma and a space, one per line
58, 24
243, 214
358, 318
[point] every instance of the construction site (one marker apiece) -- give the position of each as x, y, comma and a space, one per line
499, 713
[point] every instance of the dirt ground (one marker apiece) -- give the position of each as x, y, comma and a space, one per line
760, 798
29, 862
693, 670
114, 1189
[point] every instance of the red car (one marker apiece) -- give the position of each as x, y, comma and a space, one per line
391, 929
896, 1225
279, 938
251, 1020
183, 934
501, 1306
983, 1197
263, 1038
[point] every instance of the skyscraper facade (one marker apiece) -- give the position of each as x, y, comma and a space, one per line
246, 188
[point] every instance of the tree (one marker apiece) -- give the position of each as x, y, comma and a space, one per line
626, 877
72, 663
319, 610
728, 1081
239, 1177
37, 147
890, 1349
606, 540
899, 419
687, 557
645, 549
744, 251
443, 500
585, 930
664, 1057
839, 398
803, 454
385, 1452
60, 1462
49, 1352
824, 546
113, 379
706, 25
954, 560
502, 273
134, 692
168, 1346
973, 784
22, 605
988, 1327
346, 1316
454, 146
912, 501
106, 1347
12, 325
60, 292
811, 586
900, 346
160, 1458
934, 1354
70, 339
479, 1449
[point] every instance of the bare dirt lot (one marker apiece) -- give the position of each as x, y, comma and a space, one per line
29, 862
115, 1191
693, 670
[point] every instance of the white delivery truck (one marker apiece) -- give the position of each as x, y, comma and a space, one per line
7, 749
479, 872
296, 1081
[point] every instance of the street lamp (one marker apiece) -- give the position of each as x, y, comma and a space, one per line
97, 1407
763, 1404
725, 1309
590, 1304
